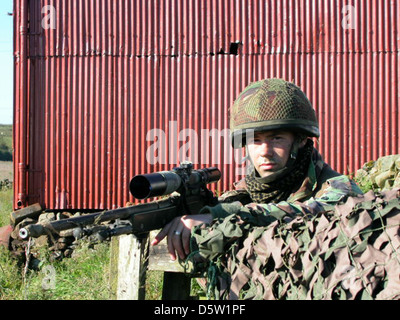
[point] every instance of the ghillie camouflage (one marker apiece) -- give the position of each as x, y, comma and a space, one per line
339, 244
347, 252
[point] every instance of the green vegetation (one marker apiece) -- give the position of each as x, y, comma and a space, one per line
5, 206
5, 142
84, 276
379, 175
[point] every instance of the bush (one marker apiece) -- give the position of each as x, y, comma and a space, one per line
379, 175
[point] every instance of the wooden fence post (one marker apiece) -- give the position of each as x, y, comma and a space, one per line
129, 259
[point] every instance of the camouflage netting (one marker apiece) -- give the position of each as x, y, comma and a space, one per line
349, 253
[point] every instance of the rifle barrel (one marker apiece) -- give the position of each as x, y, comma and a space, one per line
37, 230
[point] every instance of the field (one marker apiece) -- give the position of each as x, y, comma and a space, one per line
5, 142
84, 276
6, 170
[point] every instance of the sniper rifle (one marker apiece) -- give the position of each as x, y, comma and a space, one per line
187, 190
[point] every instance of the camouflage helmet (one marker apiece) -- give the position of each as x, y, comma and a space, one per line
272, 104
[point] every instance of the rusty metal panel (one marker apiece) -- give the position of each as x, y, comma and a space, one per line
108, 89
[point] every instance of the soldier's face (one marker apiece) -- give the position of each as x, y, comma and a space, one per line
270, 150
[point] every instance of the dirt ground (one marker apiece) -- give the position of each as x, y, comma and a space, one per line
6, 170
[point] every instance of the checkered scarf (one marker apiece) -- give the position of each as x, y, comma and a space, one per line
281, 188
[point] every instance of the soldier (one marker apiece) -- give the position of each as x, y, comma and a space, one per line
275, 121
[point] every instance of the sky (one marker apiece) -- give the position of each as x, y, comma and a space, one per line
6, 62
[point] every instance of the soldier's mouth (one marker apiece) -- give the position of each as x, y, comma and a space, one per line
268, 166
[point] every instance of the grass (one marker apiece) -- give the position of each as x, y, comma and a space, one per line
84, 276
6, 196
10, 285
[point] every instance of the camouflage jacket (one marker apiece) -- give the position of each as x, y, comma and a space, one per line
320, 191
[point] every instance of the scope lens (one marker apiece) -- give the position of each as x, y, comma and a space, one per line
140, 187
154, 184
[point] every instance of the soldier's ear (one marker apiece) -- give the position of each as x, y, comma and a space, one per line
301, 140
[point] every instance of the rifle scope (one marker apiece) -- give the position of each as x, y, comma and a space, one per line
165, 182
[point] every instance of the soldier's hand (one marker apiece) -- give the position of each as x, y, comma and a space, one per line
178, 233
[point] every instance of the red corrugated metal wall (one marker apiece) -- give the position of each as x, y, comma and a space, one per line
108, 89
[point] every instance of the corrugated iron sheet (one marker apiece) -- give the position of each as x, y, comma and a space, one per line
117, 88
